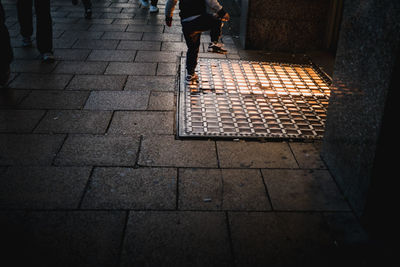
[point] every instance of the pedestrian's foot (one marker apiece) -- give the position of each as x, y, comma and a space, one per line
153, 9
191, 78
4, 77
88, 13
48, 57
216, 48
26, 42
74, 2
145, 3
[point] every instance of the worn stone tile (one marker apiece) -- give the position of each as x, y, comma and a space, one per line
173, 46
279, 239
111, 55
82, 34
29, 149
167, 69
128, 68
55, 99
71, 54
307, 156
303, 190
167, 37
117, 100
19, 121
244, 190
156, 56
10, 98
74, 121
226, 189
200, 189
161, 101
97, 82
128, 188
145, 28
26, 53
159, 83
255, 155
96, 44
63, 238
41, 81
87, 150
164, 150
176, 239
79, 67
32, 66
139, 45
43, 187
108, 28
142, 123
71, 26
122, 36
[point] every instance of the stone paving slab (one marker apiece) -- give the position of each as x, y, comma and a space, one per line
55, 99
98, 150
41, 81
111, 55
74, 121
128, 188
142, 123
117, 100
176, 239
127, 68
307, 155
222, 189
62, 238
158, 83
79, 67
303, 190
29, 149
97, 82
161, 101
164, 150
43, 187
255, 155
19, 121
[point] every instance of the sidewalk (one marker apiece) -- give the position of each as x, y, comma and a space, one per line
92, 174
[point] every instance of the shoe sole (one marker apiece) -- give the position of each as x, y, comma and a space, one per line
217, 51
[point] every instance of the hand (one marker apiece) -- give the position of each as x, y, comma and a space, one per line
226, 17
168, 21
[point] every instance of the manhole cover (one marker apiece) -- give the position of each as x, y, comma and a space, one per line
247, 99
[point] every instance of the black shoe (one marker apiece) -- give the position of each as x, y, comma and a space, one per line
4, 77
74, 2
88, 13
191, 78
48, 57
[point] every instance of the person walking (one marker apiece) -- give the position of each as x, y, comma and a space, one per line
87, 5
198, 16
6, 52
44, 28
153, 5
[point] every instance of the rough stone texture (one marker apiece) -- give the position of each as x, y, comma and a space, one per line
55, 100
303, 190
41, 81
43, 187
127, 188
123, 100
74, 121
155, 239
159, 83
97, 82
255, 155
80, 150
166, 151
19, 121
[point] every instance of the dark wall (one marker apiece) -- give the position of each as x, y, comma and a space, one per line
364, 67
287, 25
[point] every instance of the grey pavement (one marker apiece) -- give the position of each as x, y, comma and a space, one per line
92, 173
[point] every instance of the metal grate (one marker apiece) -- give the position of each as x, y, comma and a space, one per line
243, 99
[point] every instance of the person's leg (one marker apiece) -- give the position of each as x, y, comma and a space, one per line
154, 2
87, 4
44, 28
153, 6
192, 39
24, 13
6, 52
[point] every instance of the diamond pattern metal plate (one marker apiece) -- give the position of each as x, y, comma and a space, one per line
246, 99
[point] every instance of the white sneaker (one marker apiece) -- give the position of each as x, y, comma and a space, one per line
153, 9
145, 3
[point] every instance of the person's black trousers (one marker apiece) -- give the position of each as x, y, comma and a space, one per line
192, 32
6, 52
87, 4
44, 29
